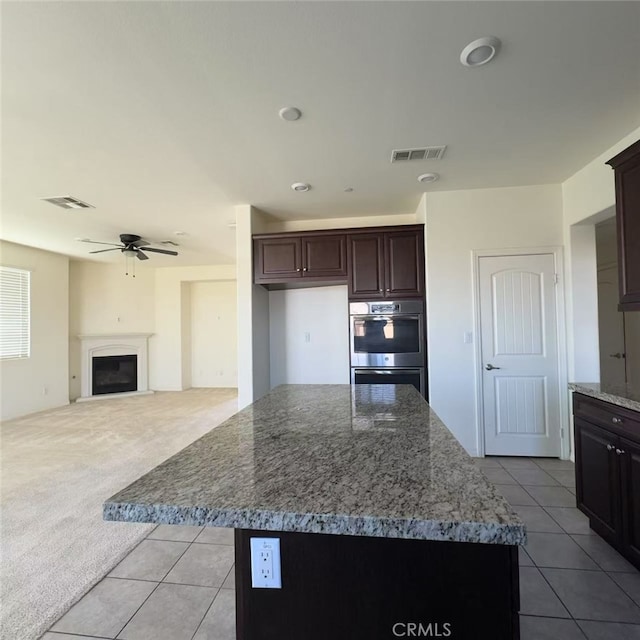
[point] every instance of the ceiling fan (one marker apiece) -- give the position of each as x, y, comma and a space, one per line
131, 246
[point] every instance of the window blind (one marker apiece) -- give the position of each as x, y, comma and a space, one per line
14, 313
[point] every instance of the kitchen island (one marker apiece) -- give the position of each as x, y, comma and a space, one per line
382, 518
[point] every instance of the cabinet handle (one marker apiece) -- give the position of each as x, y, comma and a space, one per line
620, 452
380, 290
305, 269
388, 290
298, 269
610, 447
616, 420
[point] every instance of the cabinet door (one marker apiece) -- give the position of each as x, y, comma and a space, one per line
404, 264
597, 478
627, 168
324, 256
277, 258
365, 266
630, 474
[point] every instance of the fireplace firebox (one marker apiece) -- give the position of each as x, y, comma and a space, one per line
114, 374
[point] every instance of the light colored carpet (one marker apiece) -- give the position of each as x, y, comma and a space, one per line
57, 468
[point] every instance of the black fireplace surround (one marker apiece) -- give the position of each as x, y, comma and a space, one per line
114, 374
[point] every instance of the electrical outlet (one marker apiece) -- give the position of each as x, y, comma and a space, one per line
265, 563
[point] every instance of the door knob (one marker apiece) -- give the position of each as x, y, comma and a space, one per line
620, 452
610, 447
616, 420
617, 355
490, 367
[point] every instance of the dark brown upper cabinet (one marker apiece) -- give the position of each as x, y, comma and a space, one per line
387, 264
366, 266
627, 176
288, 257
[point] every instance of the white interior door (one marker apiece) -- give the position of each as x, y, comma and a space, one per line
610, 328
519, 351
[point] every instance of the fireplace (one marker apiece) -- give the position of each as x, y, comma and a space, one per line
114, 374
113, 365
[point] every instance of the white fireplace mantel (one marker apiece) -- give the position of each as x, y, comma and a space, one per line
115, 344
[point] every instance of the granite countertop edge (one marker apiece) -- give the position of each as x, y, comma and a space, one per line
621, 397
335, 524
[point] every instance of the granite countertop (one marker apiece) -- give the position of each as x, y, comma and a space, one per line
621, 395
369, 460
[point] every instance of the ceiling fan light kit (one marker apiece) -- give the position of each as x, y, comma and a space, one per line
132, 247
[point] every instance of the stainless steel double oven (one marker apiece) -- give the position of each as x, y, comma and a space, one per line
388, 343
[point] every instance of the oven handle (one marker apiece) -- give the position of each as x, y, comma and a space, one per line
408, 316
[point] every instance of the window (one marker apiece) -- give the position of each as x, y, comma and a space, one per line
14, 313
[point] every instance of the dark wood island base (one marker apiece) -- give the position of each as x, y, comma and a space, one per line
339, 587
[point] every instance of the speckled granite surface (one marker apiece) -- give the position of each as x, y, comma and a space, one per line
370, 460
623, 396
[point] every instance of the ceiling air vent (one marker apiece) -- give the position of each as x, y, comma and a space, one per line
67, 202
169, 242
423, 153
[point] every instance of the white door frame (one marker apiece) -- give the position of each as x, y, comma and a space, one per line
563, 382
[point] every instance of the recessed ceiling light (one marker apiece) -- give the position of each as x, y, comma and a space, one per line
348, 190
300, 186
290, 114
480, 51
428, 177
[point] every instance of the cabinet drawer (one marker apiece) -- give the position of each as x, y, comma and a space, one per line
616, 419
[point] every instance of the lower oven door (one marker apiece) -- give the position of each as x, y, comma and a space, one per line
390, 376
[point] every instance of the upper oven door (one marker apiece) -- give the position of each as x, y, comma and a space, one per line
387, 340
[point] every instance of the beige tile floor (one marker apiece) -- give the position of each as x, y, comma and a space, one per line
178, 583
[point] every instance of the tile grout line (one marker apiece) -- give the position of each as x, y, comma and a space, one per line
233, 567
599, 569
152, 592
50, 629
195, 633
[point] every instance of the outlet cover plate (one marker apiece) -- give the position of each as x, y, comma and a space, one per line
265, 563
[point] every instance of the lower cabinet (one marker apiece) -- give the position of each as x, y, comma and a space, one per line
608, 472
598, 478
630, 473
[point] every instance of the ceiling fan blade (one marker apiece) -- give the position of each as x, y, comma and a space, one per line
141, 256
169, 253
103, 250
140, 243
110, 244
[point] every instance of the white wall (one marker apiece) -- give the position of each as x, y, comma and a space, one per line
309, 336
185, 334
280, 226
42, 380
170, 347
214, 315
588, 197
459, 222
253, 311
102, 299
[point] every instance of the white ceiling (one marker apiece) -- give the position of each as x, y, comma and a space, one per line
164, 115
